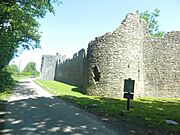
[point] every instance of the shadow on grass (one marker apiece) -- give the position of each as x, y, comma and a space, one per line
101, 105
46, 115
78, 89
150, 112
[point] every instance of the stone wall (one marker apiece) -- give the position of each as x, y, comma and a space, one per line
128, 52
162, 66
117, 56
48, 66
73, 71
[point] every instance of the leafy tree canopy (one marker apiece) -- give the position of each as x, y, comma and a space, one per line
30, 68
151, 19
19, 26
13, 69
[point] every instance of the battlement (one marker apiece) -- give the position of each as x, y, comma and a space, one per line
127, 52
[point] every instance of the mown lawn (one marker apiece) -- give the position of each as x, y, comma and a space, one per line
149, 111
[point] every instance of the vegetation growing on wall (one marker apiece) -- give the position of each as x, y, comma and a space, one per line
151, 19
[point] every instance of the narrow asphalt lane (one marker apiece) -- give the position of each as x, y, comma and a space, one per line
33, 111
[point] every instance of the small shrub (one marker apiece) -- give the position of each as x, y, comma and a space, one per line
6, 80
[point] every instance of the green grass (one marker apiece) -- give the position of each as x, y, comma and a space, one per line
19, 77
148, 111
4, 95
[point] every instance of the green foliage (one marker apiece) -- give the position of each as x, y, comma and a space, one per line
4, 95
30, 69
19, 27
147, 111
26, 74
150, 18
6, 81
12, 69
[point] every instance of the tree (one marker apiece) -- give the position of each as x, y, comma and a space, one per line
19, 26
150, 18
30, 69
19, 29
12, 69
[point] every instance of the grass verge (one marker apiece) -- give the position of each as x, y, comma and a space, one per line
148, 111
4, 95
19, 77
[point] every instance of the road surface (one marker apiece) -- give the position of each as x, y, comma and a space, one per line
33, 111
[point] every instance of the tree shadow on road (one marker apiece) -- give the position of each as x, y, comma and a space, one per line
43, 115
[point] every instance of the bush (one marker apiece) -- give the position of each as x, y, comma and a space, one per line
12, 69
6, 81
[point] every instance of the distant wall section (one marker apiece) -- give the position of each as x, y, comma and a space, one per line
48, 65
73, 71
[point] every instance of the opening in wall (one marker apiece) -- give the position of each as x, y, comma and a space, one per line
96, 74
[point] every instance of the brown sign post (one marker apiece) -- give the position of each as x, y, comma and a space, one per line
128, 90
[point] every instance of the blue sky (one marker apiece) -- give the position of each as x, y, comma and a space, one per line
78, 22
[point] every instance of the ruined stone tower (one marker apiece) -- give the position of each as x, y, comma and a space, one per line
117, 56
127, 52
48, 66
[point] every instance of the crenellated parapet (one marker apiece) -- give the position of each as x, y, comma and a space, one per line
127, 52
73, 71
